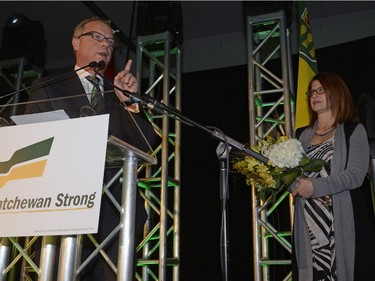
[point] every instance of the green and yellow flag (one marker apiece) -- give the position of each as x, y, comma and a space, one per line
307, 67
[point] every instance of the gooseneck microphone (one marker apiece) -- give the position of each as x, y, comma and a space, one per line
99, 65
92, 64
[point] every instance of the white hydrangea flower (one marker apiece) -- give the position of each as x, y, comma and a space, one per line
286, 154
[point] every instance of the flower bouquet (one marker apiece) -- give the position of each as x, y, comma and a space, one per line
287, 161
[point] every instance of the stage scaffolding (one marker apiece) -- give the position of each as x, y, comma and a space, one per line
15, 75
158, 66
161, 187
271, 107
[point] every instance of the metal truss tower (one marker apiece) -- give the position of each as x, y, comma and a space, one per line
270, 112
161, 188
15, 74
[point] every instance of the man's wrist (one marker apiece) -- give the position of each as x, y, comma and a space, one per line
130, 106
129, 102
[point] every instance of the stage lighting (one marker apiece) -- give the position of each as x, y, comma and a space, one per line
17, 19
23, 37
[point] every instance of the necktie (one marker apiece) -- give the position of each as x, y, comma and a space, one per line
96, 97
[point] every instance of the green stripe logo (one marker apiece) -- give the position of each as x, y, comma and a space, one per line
17, 168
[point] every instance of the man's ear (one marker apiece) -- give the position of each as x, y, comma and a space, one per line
75, 44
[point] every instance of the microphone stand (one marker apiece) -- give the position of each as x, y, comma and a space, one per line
223, 150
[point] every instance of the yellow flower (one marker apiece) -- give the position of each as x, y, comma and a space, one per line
289, 160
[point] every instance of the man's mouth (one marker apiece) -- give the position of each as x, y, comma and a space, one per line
103, 54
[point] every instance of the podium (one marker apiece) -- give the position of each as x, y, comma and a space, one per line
119, 154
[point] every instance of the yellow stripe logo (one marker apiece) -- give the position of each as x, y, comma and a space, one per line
25, 162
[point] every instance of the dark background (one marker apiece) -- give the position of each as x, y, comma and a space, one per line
219, 98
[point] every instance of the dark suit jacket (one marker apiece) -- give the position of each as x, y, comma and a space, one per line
121, 122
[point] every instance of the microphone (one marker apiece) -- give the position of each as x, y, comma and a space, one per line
97, 65
92, 64
100, 65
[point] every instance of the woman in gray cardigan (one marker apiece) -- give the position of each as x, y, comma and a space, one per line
329, 237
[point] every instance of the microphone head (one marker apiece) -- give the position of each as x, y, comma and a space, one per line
93, 64
101, 65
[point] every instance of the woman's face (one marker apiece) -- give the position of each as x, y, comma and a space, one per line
318, 98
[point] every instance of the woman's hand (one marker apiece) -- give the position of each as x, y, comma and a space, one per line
304, 188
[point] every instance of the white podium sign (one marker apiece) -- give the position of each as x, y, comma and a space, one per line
51, 177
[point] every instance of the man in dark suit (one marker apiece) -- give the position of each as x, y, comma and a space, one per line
93, 41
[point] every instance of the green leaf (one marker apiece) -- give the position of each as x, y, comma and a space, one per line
289, 176
315, 165
304, 161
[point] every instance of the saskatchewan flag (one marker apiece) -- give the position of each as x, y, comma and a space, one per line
307, 67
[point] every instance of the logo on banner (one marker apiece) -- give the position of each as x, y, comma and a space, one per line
26, 162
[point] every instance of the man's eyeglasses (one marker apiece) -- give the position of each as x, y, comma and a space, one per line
100, 37
319, 91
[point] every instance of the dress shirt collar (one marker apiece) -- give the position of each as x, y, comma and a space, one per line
83, 73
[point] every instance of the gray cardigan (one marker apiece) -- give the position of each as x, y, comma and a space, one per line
337, 184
